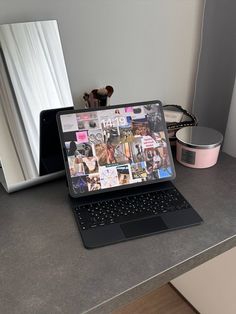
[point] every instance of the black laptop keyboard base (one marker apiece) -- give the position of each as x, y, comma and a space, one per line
129, 208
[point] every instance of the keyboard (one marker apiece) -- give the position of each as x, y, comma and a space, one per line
132, 207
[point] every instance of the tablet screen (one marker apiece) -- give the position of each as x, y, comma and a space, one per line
114, 148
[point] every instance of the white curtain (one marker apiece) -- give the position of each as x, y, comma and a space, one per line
230, 134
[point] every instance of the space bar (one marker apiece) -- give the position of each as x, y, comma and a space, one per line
125, 218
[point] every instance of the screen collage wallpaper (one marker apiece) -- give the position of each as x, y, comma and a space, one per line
115, 147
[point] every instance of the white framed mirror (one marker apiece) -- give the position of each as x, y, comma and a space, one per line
33, 78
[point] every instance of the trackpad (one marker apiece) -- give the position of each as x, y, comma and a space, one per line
141, 227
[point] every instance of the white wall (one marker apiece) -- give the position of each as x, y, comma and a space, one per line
230, 134
146, 49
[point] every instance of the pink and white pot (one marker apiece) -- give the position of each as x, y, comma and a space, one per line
198, 147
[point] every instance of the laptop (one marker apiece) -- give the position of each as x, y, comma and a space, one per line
119, 170
50, 156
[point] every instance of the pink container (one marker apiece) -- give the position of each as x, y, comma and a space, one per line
198, 147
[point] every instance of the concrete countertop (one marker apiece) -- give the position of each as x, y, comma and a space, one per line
44, 267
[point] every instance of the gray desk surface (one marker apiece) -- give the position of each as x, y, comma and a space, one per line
45, 269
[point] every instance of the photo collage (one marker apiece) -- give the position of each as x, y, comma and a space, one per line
114, 147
